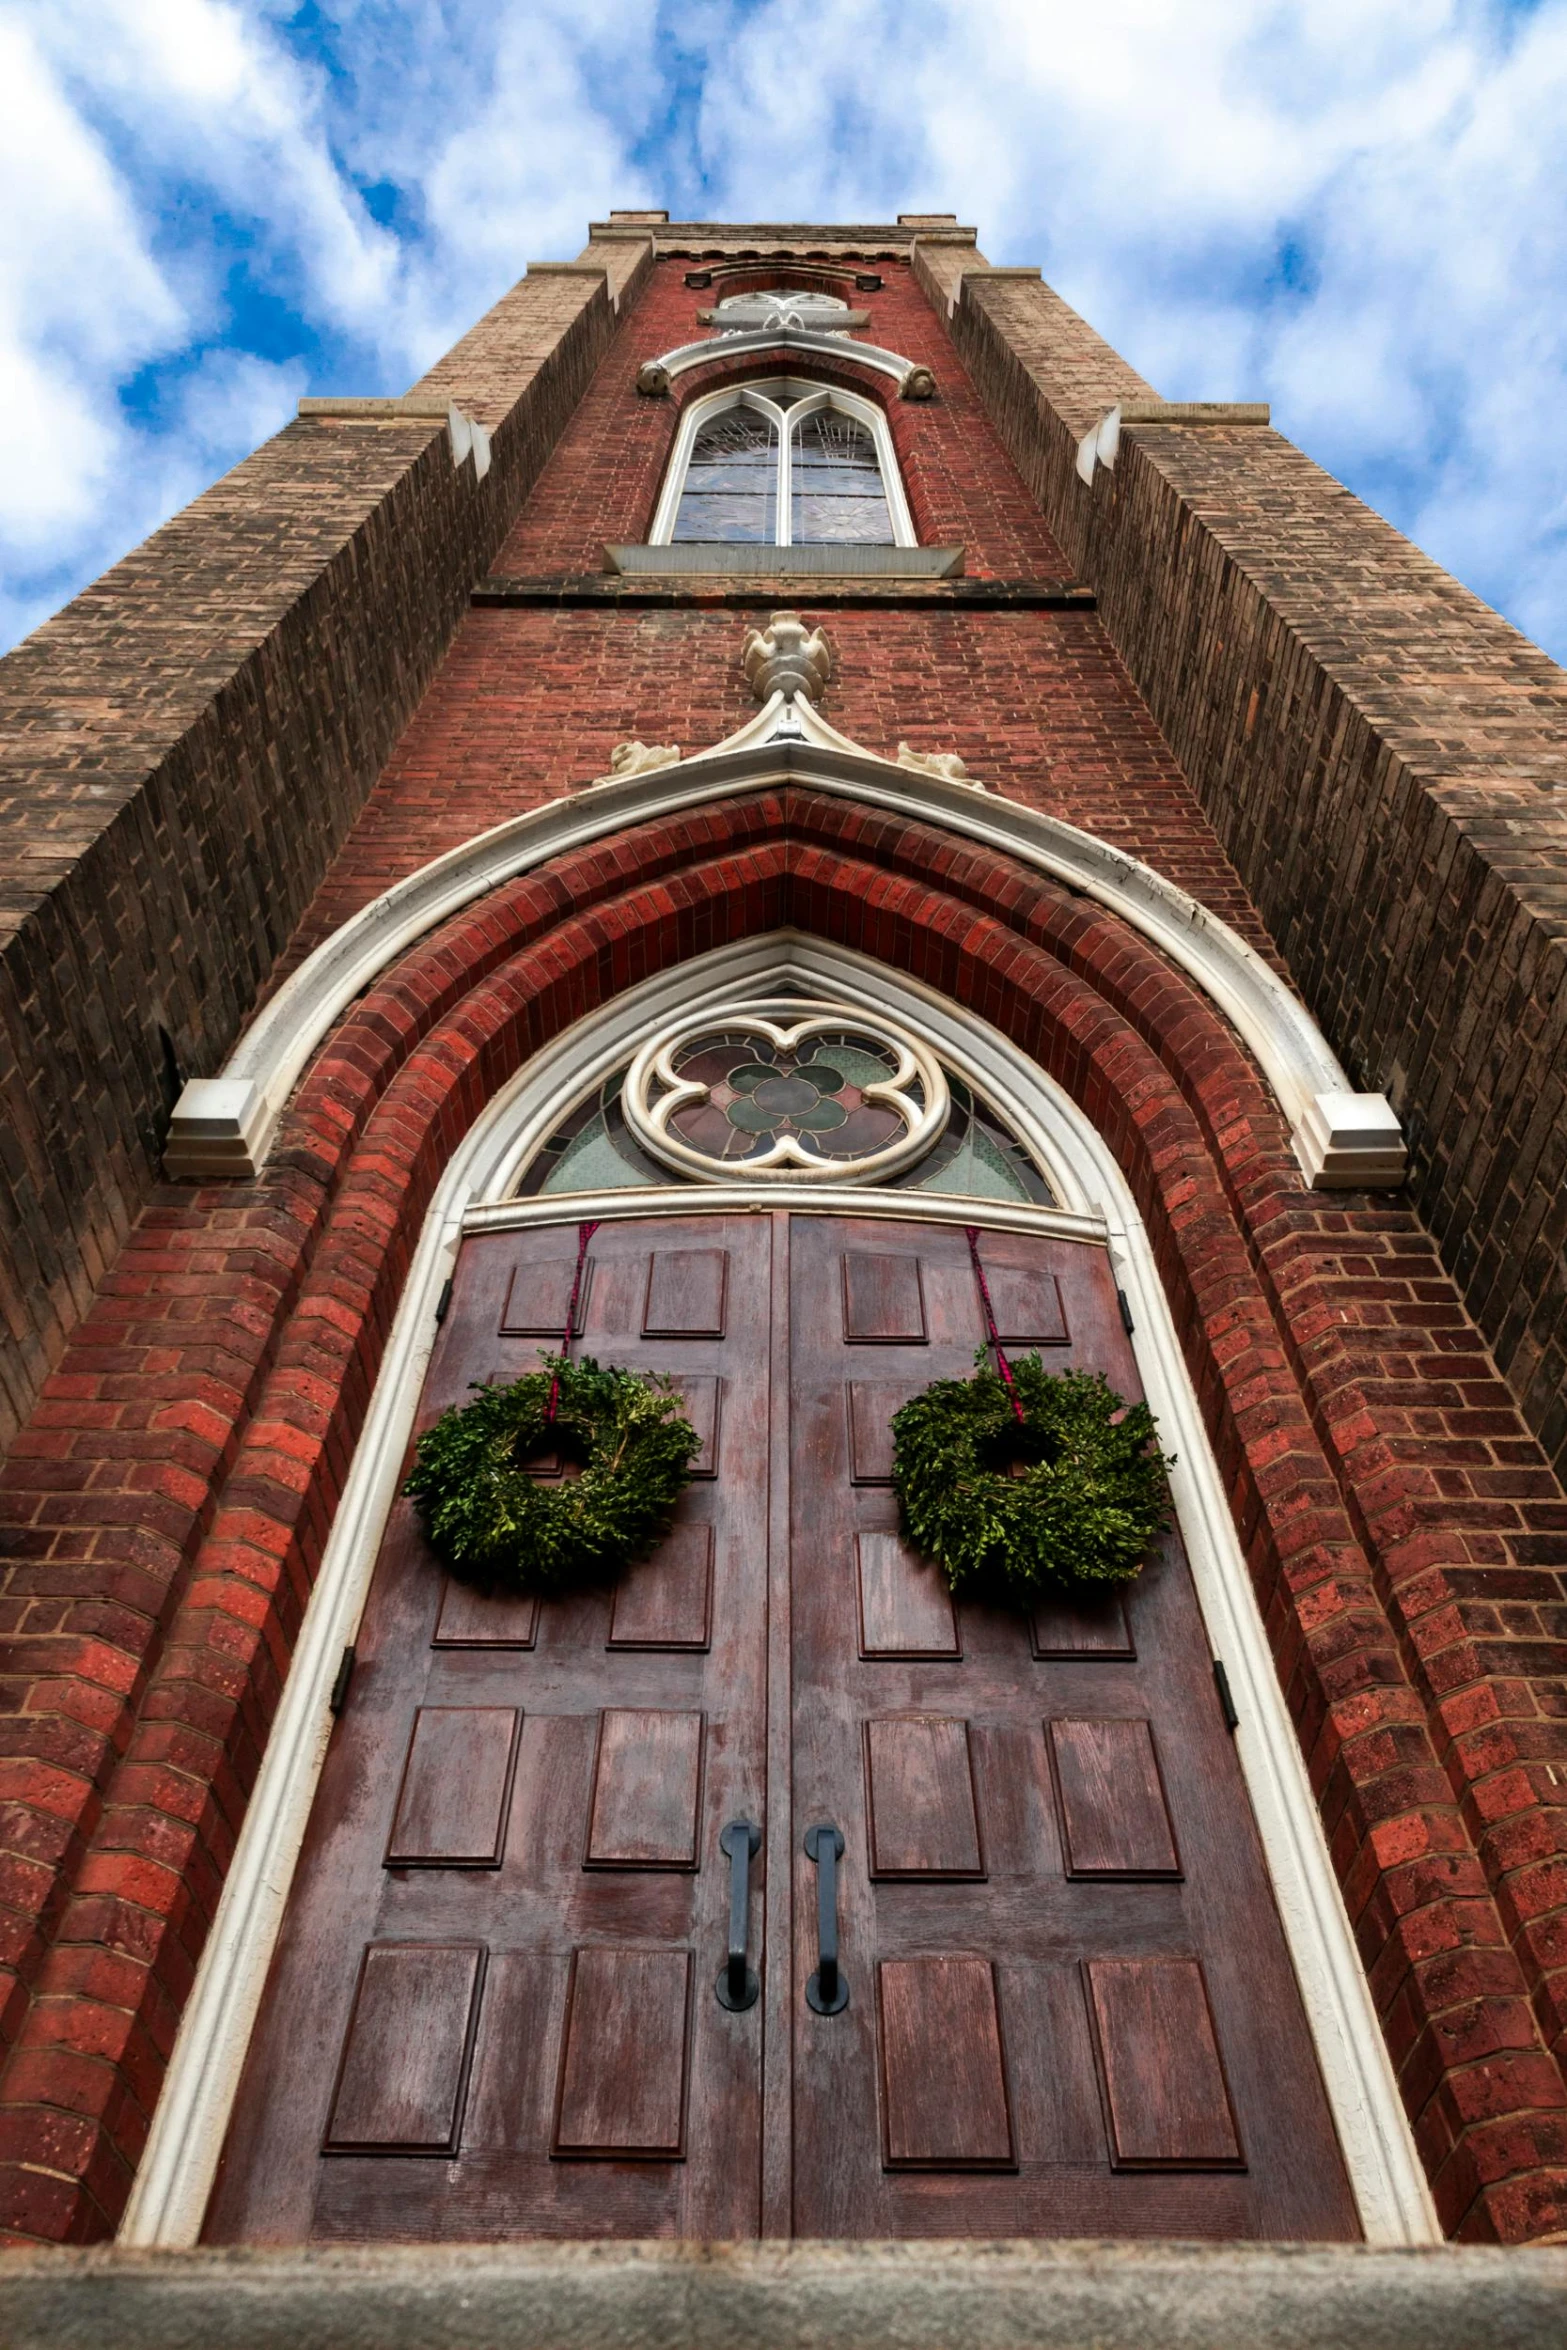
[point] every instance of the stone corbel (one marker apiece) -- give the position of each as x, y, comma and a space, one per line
636, 758
946, 764
218, 1129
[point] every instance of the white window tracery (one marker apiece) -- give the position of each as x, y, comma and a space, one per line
739, 313
784, 463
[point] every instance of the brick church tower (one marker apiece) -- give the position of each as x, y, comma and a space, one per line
784, 795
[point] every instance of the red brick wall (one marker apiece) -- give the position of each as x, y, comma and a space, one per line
183, 749
164, 1512
531, 703
1420, 1743
604, 480
1381, 755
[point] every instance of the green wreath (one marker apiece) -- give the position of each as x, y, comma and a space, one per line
1072, 1496
496, 1525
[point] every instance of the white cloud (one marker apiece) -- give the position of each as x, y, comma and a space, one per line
81, 301
232, 400
1160, 159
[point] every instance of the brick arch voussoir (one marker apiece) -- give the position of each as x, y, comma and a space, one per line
254, 1571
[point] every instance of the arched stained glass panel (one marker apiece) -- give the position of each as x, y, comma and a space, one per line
836, 484
975, 1156
731, 485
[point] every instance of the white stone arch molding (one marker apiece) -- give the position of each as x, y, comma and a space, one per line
914, 381
787, 401
1097, 1208
1343, 1139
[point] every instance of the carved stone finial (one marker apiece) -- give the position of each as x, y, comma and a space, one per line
628, 759
653, 380
918, 384
946, 764
786, 658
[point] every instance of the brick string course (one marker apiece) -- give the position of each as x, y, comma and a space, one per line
166, 1507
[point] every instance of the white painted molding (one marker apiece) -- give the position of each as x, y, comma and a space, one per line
189, 2124
914, 381
790, 742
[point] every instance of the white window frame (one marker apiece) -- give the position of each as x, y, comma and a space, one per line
785, 401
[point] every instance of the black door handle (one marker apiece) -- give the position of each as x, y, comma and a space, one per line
737, 1983
826, 1991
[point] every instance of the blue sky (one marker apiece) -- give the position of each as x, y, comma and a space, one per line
1356, 209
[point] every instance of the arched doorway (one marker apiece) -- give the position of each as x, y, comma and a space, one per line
1051, 2055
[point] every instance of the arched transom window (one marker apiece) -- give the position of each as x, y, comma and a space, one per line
784, 464
786, 1088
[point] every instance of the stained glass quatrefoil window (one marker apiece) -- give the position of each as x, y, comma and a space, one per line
788, 1089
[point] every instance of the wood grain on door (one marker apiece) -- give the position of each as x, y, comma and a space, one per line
1070, 2006
498, 1963
493, 2010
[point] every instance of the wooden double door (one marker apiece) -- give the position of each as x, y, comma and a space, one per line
510, 1995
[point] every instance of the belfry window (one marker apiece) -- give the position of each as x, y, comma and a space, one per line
731, 486
784, 464
835, 484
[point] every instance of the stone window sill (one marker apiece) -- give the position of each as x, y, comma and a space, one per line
724, 559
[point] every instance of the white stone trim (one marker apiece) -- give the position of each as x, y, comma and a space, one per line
175, 2179
804, 399
788, 342
787, 742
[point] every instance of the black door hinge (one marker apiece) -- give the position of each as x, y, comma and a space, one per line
443, 1301
1127, 1324
1221, 1682
345, 1673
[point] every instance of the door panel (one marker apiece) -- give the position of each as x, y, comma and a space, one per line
666, 1601
480, 1619
919, 1798
1053, 1877
647, 1787
623, 2069
685, 1293
451, 1807
1159, 2062
944, 2077
883, 1303
1114, 1817
400, 2086
905, 1608
872, 1403
1069, 1627
511, 1907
